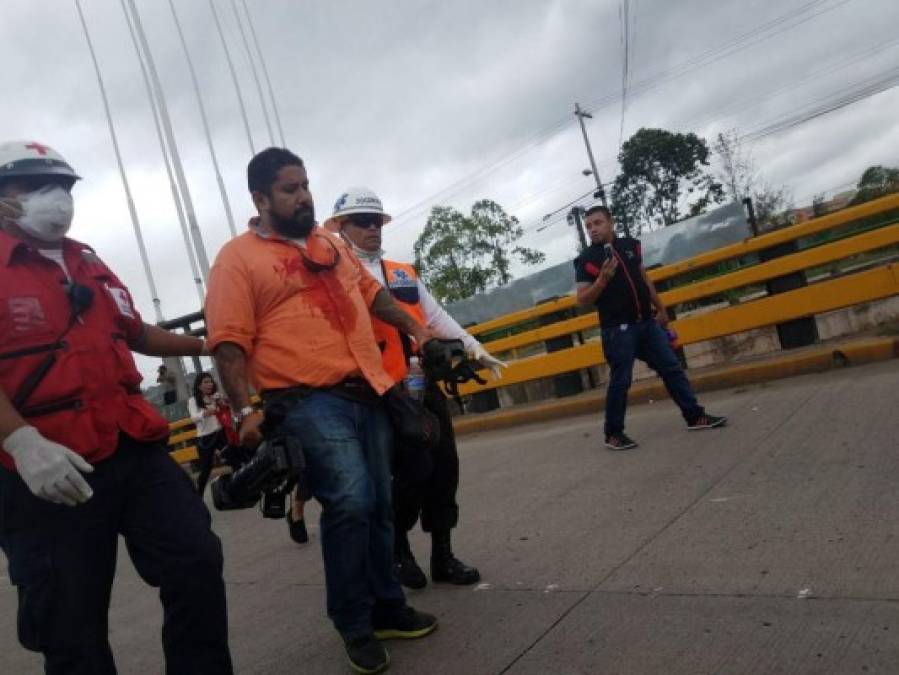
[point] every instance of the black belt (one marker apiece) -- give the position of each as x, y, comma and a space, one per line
352, 388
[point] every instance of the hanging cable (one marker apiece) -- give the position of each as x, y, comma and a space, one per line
135, 221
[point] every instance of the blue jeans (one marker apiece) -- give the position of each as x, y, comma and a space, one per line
649, 343
348, 448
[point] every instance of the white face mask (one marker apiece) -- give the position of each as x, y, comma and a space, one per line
47, 213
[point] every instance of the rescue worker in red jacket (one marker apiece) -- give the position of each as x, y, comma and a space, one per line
359, 217
84, 456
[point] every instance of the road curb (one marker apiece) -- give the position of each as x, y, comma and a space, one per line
823, 358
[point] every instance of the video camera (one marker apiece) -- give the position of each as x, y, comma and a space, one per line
269, 473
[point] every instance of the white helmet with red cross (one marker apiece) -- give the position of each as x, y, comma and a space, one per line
30, 158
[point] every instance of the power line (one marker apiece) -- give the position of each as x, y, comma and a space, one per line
870, 87
246, 44
135, 222
268, 81
755, 100
762, 32
202, 107
234, 80
826, 69
766, 31
166, 160
164, 117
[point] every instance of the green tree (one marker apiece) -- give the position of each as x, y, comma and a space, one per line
664, 178
875, 182
773, 207
736, 166
819, 205
460, 255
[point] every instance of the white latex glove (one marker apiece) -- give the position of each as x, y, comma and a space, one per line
50, 470
492, 363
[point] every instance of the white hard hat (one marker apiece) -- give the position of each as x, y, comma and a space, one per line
30, 158
355, 200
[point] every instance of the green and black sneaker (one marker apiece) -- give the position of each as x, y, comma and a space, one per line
367, 655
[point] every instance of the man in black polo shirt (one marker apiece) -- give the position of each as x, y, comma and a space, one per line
610, 276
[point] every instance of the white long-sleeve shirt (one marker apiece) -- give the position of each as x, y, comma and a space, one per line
206, 424
439, 321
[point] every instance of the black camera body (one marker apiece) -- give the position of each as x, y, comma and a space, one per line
268, 474
446, 361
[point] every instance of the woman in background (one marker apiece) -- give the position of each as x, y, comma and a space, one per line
207, 408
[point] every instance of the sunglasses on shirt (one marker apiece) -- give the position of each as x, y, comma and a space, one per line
366, 221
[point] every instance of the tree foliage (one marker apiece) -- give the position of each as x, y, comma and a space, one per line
875, 182
459, 255
741, 179
664, 178
773, 207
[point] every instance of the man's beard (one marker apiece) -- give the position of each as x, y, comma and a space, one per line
296, 227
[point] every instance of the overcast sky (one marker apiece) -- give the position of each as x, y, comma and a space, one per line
437, 102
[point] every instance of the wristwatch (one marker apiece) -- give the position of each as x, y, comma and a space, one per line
242, 414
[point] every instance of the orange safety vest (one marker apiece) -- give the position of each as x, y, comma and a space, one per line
402, 282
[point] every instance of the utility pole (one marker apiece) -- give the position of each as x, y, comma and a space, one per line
581, 114
600, 191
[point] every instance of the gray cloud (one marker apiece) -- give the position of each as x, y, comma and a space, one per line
411, 96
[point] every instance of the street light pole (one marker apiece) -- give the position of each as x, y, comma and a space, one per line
581, 114
600, 191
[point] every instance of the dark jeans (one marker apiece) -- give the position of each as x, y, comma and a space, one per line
433, 498
206, 449
348, 454
648, 342
62, 561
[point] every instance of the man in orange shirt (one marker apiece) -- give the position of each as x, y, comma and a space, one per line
287, 310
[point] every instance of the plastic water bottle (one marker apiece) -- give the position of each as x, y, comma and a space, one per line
415, 379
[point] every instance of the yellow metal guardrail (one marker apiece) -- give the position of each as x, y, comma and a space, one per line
820, 255
807, 301
816, 298
738, 250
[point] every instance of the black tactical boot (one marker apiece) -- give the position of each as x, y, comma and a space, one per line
406, 569
447, 567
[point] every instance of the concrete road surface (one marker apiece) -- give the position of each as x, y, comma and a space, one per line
771, 546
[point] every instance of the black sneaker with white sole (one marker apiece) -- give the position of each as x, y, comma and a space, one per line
706, 422
620, 442
367, 655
